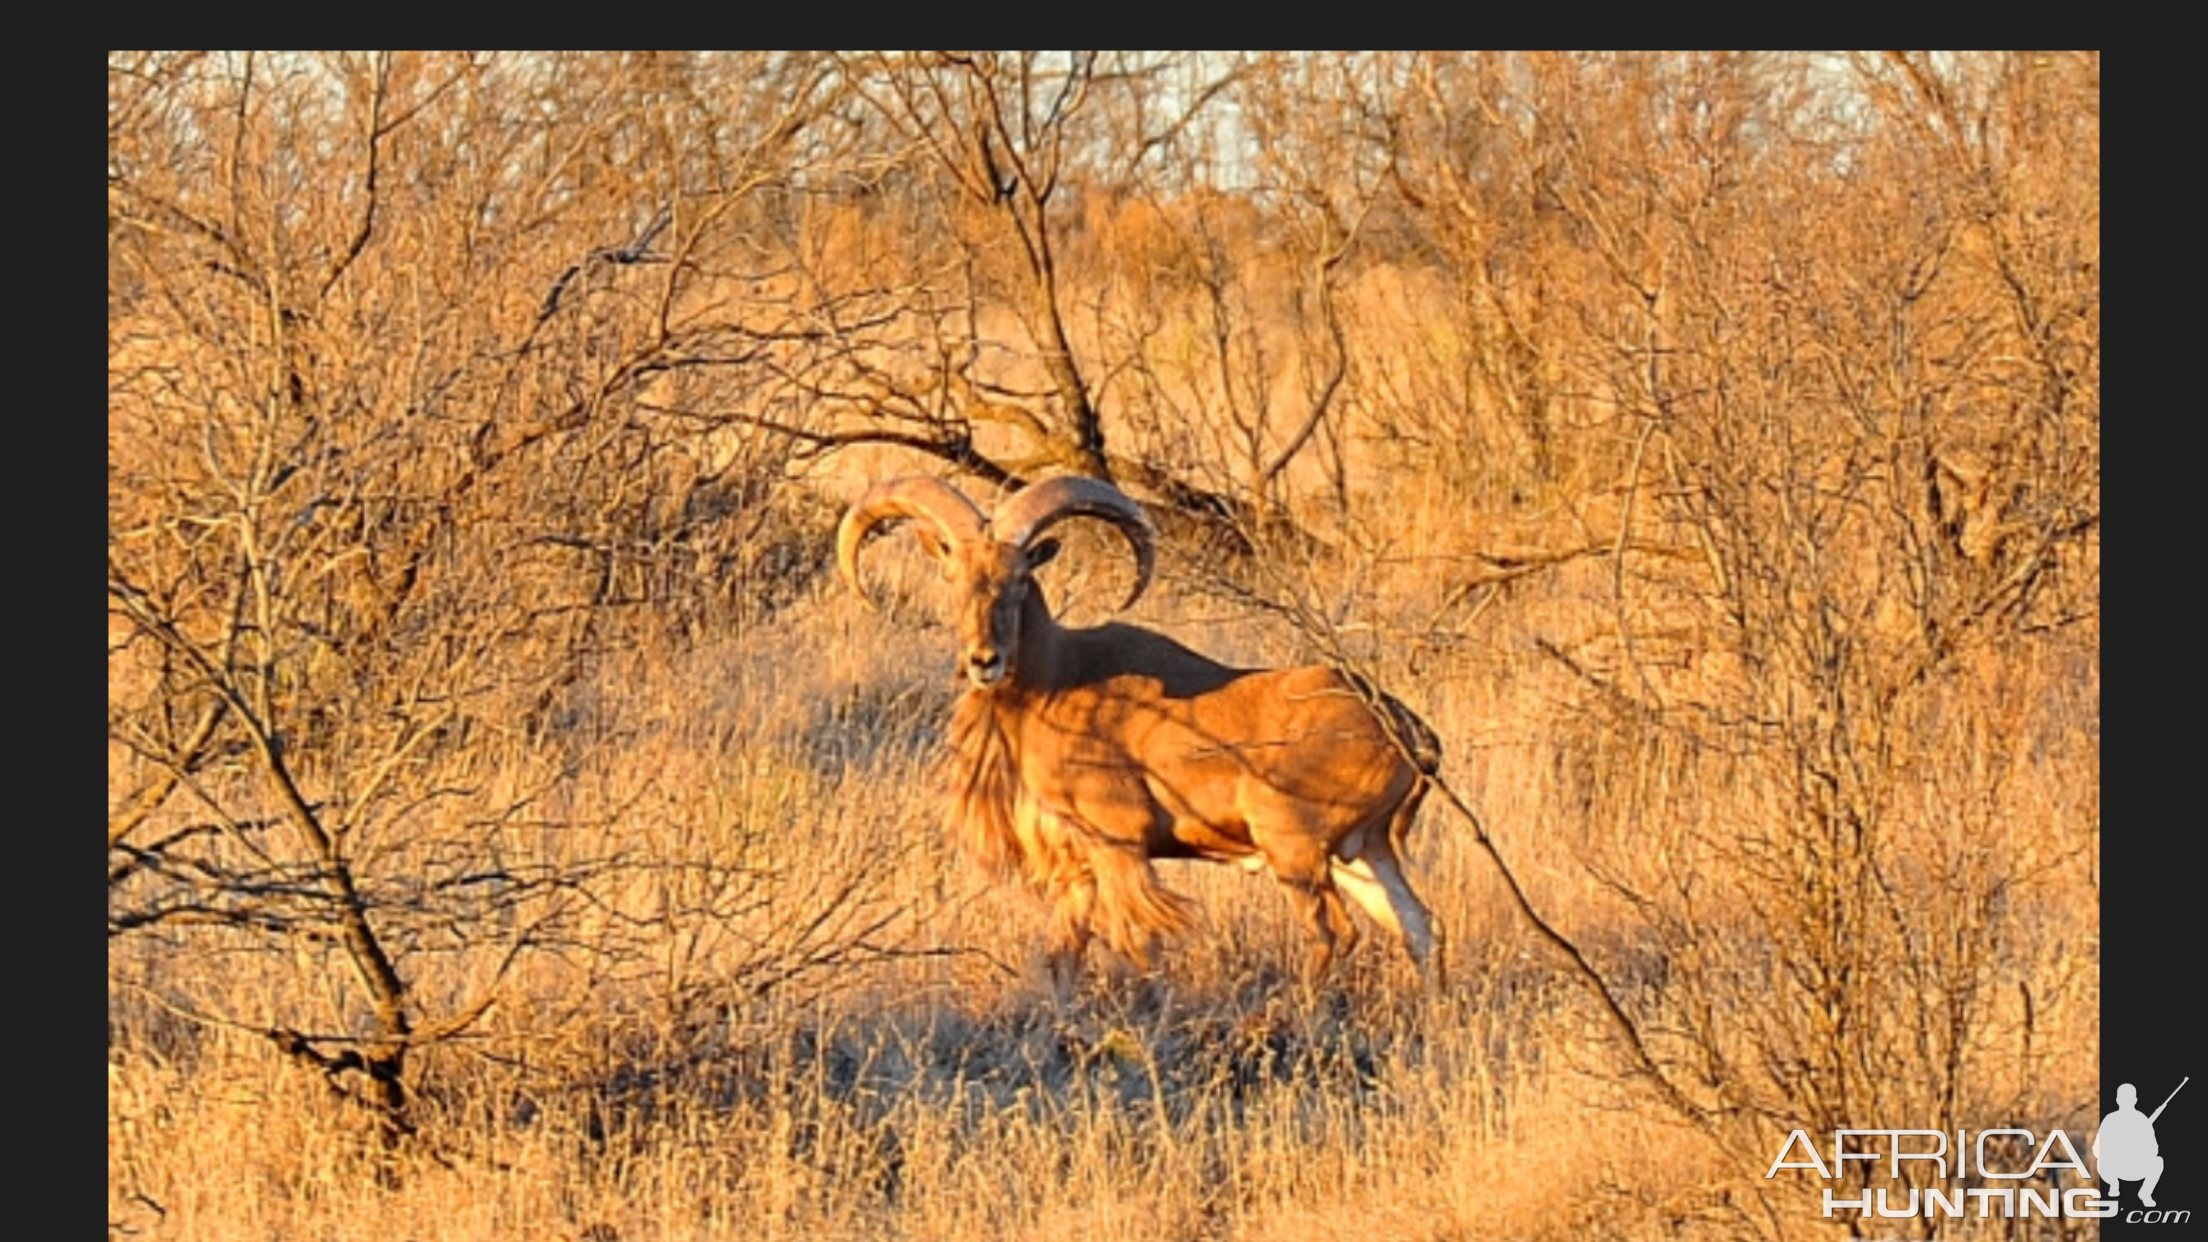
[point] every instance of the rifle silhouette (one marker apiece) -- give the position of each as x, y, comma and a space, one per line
2166, 1100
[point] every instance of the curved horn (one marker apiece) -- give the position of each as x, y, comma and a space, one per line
1027, 513
955, 519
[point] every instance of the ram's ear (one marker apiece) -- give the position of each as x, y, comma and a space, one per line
1041, 552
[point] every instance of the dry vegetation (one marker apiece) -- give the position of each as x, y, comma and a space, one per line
514, 832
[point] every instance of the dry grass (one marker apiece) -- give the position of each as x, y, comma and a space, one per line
634, 1086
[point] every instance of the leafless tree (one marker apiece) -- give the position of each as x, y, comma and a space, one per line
405, 433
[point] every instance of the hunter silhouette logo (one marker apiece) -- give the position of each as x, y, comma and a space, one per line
2124, 1150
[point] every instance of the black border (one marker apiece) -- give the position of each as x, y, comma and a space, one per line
2151, 912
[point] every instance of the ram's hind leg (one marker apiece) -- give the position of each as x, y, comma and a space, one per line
1375, 882
1378, 887
1324, 916
1373, 878
1304, 878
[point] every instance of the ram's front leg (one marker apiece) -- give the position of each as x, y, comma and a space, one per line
1070, 930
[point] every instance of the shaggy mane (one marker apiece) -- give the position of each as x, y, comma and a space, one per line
983, 775
984, 815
